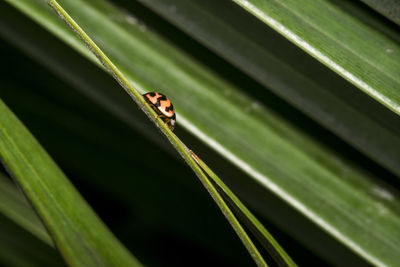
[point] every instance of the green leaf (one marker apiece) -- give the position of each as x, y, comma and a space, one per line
20, 248
78, 233
14, 206
328, 189
367, 58
224, 29
388, 8
24, 242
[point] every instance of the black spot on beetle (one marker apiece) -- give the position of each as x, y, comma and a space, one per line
169, 108
159, 99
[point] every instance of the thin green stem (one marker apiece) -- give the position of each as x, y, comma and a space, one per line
273, 246
175, 141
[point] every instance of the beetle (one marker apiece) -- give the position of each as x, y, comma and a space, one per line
163, 107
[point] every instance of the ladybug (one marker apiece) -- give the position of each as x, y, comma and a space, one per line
163, 107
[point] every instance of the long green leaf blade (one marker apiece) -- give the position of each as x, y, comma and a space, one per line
80, 236
19, 247
220, 26
15, 207
367, 58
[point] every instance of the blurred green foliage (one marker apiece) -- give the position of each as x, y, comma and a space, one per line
133, 179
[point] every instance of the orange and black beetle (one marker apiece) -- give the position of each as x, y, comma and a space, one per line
163, 107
